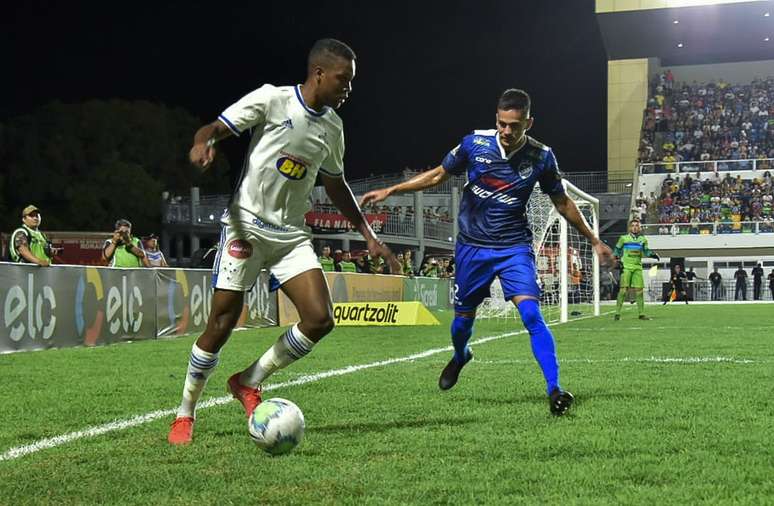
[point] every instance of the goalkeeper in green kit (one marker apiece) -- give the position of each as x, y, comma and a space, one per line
630, 249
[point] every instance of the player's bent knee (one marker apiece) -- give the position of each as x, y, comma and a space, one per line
317, 327
529, 309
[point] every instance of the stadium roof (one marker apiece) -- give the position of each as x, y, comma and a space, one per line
691, 35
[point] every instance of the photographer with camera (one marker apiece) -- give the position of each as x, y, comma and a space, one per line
124, 250
28, 244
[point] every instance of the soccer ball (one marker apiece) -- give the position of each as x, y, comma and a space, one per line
276, 426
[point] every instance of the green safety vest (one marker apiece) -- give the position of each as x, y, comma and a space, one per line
347, 266
374, 264
327, 264
37, 242
123, 258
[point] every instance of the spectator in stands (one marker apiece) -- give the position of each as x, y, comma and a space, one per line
123, 249
448, 266
326, 260
741, 284
152, 251
699, 123
362, 265
375, 265
757, 274
408, 263
431, 268
346, 264
715, 280
731, 204
28, 244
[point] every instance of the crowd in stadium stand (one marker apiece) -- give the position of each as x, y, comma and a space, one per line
438, 266
708, 121
713, 204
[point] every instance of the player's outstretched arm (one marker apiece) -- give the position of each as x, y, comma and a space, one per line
203, 151
569, 210
341, 195
426, 179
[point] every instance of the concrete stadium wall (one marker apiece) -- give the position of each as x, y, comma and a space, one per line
627, 95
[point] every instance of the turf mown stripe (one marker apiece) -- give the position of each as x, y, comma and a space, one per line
44, 444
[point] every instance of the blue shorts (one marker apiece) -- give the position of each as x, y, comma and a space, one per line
477, 267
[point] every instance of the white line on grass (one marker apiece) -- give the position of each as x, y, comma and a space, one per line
643, 360
43, 444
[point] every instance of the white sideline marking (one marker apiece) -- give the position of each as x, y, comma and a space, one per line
44, 444
652, 360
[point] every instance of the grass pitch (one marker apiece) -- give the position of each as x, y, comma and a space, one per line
677, 410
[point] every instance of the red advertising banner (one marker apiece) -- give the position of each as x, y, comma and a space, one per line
78, 248
332, 223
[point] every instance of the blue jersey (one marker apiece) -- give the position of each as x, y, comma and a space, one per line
493, 210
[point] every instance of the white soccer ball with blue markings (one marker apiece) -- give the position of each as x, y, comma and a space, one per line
276, 426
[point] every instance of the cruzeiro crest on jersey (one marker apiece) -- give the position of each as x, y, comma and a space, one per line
291, 166
525, 169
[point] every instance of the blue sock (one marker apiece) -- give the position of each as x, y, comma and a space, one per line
543, 347
461, 330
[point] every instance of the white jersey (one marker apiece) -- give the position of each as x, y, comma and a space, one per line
290, 143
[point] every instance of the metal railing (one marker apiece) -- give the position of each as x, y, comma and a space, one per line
714, 228
439, 230
706, 166
598, 182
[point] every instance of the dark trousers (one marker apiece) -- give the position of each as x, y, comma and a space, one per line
716, 292
757, 291
741, 292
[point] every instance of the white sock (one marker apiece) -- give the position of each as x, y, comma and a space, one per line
200, 366
291, 346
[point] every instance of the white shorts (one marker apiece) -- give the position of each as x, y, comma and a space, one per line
246, 249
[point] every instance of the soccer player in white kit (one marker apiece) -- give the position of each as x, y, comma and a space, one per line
295, 134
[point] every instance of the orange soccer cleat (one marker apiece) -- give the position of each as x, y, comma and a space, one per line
249, 397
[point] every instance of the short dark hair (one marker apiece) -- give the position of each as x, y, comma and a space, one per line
514, 99
123, 223
323, 49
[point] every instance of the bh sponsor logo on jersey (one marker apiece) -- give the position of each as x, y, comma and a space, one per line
28, 311
525, 169
239, 248
292, 167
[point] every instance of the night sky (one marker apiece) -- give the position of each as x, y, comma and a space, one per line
428, 72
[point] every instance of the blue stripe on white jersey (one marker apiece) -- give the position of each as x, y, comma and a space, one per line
494, 201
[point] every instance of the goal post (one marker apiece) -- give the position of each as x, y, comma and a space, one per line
568, 268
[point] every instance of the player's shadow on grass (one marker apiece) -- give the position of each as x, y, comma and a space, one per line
348, 428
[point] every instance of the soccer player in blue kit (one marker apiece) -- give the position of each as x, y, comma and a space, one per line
502, 165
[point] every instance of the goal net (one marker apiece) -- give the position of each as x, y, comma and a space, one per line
568, 269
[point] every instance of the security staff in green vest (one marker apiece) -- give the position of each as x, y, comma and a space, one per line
326, 261
123, 250
28, 244
346, 264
